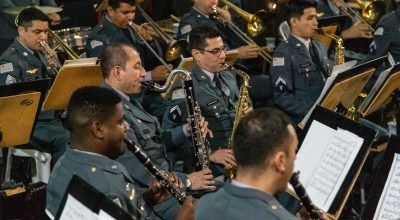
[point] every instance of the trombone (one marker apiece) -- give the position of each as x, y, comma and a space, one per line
236, 30
370, 12
175, 48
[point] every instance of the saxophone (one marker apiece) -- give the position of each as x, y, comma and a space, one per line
242, 106
166, 89
339, 50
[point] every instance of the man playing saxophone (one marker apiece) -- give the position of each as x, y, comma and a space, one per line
300, 65
216, 92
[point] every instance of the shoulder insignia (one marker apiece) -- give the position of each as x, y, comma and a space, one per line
175, 114
281, 84
278, 61
372, 48
7, 67
379, 31
186, 29
95, 43
10, 80
178, 94
116, 201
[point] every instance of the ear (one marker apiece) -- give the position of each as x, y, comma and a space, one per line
195, 54
21, 31
110, 10
293, 21
97, 129
279, 160
116, 72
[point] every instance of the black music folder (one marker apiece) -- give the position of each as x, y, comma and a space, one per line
387, 82
330, 157
384, 198
81, 200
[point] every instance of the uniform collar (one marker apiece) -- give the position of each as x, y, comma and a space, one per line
23, 46
304, 41
109, 27
199, 12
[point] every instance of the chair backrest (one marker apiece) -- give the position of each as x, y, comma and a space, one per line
284, 30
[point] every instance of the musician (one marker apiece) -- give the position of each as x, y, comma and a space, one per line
199, 15
216, 92
300, 65
95, 119
8, 31
264, 146
124, 73
25, 61
114, 28
386, 37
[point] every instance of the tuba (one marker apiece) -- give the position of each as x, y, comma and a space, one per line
242, 106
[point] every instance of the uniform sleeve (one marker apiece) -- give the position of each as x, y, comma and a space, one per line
184, 29
9, 72
94, 46
382, 39
283, 84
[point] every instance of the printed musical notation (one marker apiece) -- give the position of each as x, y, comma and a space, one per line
389, 203
324, 160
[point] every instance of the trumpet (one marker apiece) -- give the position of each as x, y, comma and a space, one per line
235, 29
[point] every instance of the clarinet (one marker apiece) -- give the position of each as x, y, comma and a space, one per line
160, 175
201, 144
312, 211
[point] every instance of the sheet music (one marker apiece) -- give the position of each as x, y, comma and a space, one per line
389, 203
74, 210
104, 216
81, 62
336, 70
324, 160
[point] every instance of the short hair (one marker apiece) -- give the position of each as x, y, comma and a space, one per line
113, 55
114, 4
88, 104
30, 14
258, 135
295, 8
199, 35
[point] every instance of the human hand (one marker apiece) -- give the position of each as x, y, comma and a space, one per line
248, 51
186, 212
156, 193
160, 73
202, 180
224, 12
224, 157
357, 30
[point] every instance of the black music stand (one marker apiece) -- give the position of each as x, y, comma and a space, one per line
92, 199
336, 121
379, 194
381, 91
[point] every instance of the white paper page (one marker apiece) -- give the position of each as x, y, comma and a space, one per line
336, 70
104, 215
74, 210
325, 161
389, 202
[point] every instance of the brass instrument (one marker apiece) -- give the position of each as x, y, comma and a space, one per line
255, 23
175, 48
51, 57
71, 54
371, 12
339, 50
235, 29
133, 27
242, 106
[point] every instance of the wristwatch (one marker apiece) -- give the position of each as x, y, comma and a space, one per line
188, 183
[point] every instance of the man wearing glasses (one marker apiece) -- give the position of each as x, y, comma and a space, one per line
216, 92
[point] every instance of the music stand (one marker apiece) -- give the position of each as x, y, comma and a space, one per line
381, 91
20, 104
384, 192
338, 122
348, 85
91, 198
71, 77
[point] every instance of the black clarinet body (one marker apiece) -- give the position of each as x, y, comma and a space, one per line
301, 192
200, 143
160, 175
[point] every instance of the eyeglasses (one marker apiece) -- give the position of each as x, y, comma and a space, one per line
216, 52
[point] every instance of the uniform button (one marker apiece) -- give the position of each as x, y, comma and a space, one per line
114, 167
93, 169
274, 207
139, 121
214, 107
